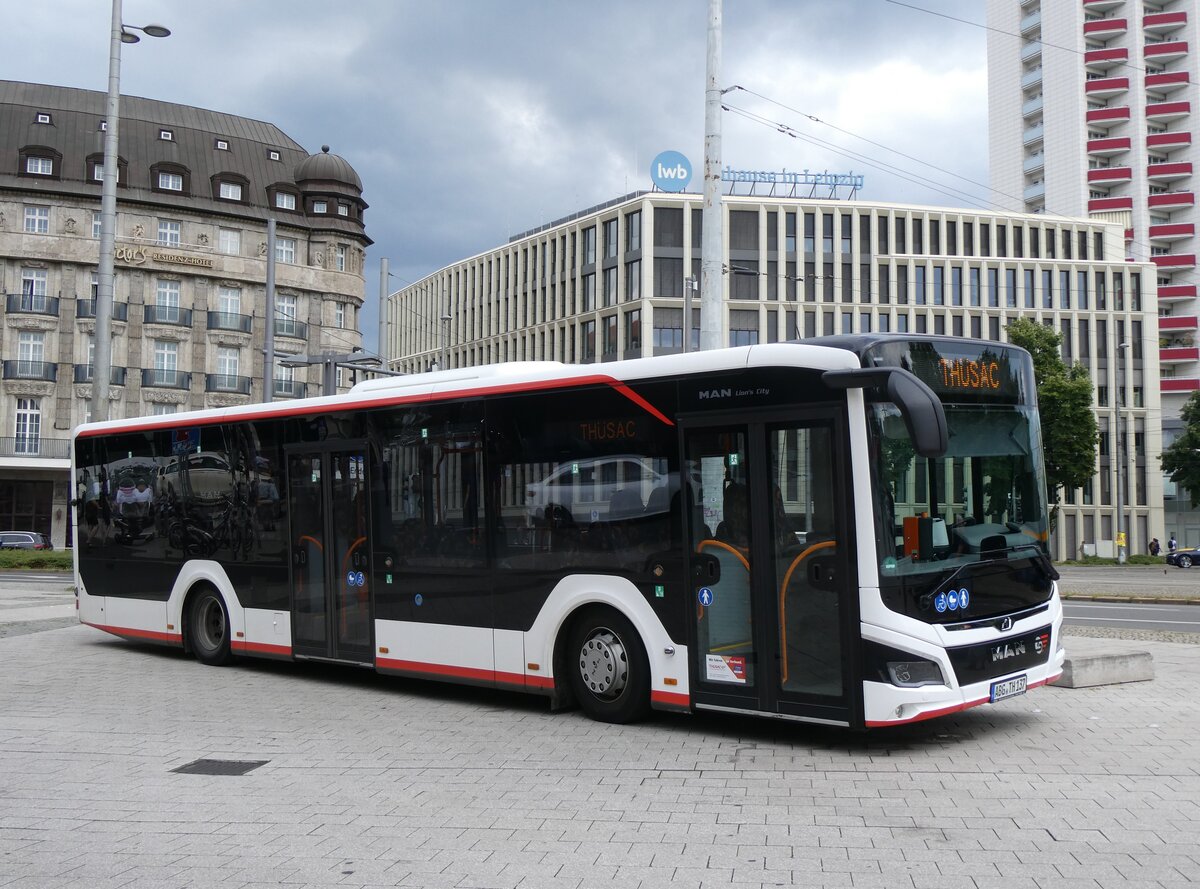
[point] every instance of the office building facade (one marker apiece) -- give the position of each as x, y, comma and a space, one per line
195, 191
609, 283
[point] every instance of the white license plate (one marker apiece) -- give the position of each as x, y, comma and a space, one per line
1009, 688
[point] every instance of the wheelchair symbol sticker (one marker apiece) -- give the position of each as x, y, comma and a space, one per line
705, 596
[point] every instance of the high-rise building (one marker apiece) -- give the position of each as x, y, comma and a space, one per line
195, 189
1091, 114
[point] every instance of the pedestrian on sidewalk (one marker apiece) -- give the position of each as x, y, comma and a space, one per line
1172, 545
1155, 549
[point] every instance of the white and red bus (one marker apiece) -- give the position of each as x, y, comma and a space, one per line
848, 530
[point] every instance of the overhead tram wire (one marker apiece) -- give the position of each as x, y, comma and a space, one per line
883, 166
952, 18
783, 128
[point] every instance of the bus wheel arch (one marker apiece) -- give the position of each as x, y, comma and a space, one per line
601, 663
207, 631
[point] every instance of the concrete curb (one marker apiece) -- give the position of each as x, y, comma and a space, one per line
1086, 671
1148, 600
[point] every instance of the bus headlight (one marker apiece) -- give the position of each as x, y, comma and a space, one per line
914, 673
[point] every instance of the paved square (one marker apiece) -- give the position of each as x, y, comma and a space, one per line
373, 781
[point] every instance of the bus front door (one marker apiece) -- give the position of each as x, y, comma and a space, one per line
330, 553
772, 589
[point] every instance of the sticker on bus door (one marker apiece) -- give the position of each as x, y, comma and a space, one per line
726, 668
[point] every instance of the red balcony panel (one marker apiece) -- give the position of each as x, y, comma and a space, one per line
1108, 115
1109, 175
1106, 86
1175, 260
1168, 140
1180, 384
1172, 232
1105, 205
1177, 322
1105, 26
1168, 171
1170, 49
1171, 200
1172, 356
1164, 21
1167, 292
1166, 80
1128, 235
1106, 58
1104, 147
1167, 110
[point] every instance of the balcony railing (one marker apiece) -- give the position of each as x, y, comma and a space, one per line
35, 446
289, 389
229, 321
21, 369
227, 383
31, 304
166, 379
291, 327
85, 372
86, 308
168, 315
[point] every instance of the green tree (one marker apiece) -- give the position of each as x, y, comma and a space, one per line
1069, 432
1182, 458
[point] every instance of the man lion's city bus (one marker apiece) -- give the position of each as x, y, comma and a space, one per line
845, 530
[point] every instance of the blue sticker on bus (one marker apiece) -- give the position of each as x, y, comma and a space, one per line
349, 578
952, 600
940, 603
418, 599
964, 598
705, 596
360, 579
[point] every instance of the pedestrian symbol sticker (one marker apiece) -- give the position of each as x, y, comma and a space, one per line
705, 596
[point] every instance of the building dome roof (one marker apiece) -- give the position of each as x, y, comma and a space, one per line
326, 167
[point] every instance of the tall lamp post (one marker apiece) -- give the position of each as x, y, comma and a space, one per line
1120, 452
102, 362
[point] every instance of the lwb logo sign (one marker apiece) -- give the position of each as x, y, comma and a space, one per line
671, 171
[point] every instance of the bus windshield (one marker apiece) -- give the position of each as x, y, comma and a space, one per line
983, 500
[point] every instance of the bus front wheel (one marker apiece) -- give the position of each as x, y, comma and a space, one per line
609, 671
208, 628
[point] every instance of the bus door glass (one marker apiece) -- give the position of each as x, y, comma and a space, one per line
771, 593
330, 551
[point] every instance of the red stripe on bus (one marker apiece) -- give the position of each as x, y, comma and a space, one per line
130, 633
261, 648
358, 404
448, 670
671, 699
946, 711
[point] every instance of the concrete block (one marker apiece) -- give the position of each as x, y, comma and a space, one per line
1084, 671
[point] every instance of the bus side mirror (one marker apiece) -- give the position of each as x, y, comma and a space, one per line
920, 407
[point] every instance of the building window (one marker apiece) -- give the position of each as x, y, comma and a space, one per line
158, 409
285, 250
33, 284
320, 207
166, 135
166, 299
39, 166
170, 182
229, 241
285, 314
339, 258
633, 232
96, 224
44, 117
37, 220
633, 280
230, 191
168, 233
166, 361
611, 244
610, 287
229, 300
588, 329
222, 145
633, 331
228, 359
31, 352
272, 154
285, 200
29, 426
610, 336
343, 209
339, 314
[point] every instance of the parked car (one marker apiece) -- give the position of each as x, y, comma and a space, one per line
24, 540
1184, 558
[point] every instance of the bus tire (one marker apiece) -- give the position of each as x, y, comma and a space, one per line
208, 627
608, 669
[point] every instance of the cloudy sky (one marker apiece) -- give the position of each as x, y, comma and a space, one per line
473, 120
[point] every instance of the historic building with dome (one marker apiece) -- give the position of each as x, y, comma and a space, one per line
196, 189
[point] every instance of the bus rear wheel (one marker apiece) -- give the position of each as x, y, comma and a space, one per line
608, 668
208, 628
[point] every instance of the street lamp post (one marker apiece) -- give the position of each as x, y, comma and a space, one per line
446, 318
102, 362
1120, 453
